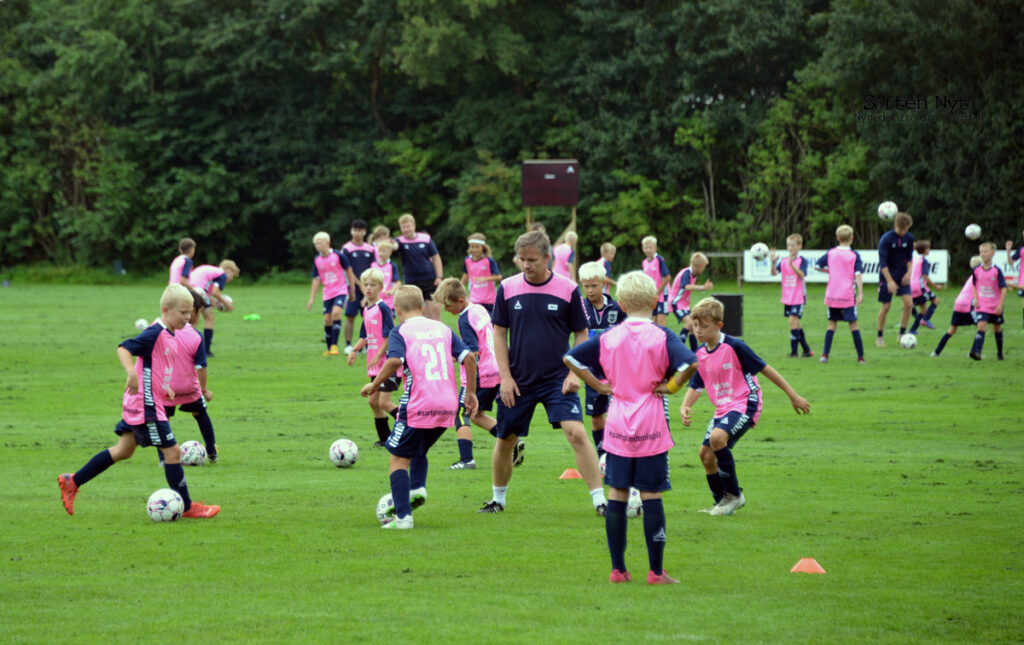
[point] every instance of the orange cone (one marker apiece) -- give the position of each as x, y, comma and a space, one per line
571, 473
807, 565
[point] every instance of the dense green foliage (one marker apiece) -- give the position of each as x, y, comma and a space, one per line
711, 123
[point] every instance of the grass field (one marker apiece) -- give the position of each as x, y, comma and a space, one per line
905, 483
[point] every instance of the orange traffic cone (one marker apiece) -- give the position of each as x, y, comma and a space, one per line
807, 565
571, 473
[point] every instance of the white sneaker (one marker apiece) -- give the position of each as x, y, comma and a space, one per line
729, 504
348, 350
417, 497
399, 523
463, 465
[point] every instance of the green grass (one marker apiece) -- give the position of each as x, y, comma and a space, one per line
905, 483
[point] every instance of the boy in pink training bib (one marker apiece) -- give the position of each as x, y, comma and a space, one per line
481, 274
181, 266
844, 269
654, 266
636, 358
990, 296
564, 257
373, 336
430, 401
963, 308
793, 268
728, 370
683, 286
333, 270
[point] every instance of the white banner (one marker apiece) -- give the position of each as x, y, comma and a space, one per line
761, 270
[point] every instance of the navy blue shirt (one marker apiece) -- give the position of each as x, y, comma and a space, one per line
415, 255
895, 252
609, 315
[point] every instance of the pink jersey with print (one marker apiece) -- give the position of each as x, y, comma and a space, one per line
988, 284
652, 268
185, 380
728, 386
331, 274
374, 326
793, 292
203, 276
389, 271
840, 292
482, 293
431, 394
154, 373
562, 255
965, 300
177, 267
916, 265
634, 359
487, 365
677, 294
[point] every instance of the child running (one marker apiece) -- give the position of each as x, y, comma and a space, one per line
330, 269
963, 309
373, 336
922, 288
794, 269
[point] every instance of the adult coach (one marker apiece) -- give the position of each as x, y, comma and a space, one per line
421, 263
895, 260
535, 312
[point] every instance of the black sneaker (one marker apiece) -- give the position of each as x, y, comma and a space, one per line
491, 507
808, 354
975, 356
517, 453
378, 444
602, 509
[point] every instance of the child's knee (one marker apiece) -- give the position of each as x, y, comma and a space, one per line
707, 456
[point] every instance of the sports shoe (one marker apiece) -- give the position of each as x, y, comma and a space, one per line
327, 352
860, 359
823, 359
975, 356
601, 509
348, 350
68, 490
333, 351
198, 510
660, 579
807, 354
729, 504
491, 507
620, 576
463, 465
792, 355
927, 323
418, 497
517, 453
209, 354
934, 354
211, 458
1000, 357
399, 523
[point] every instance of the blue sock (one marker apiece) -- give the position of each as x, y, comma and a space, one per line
918, 317
794, 340
903, 330
175, 475
931, 310
335, 332
654, 533
858, 343
327, 336
615, 529
418, 472
206, 429
598, 441
465, 449
380, 424
803, 341
716, 486
828, 341
879, 333
942, 344
100, 462
207, 339
400, 493
999, 343
979, 342
727, 470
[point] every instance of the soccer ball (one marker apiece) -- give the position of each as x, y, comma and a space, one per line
973, 231
141, 324
220, 305
193, 453
887, 211
759, 251
344, 453
602, 461
908, 341
385, 509
165, 505
634, 505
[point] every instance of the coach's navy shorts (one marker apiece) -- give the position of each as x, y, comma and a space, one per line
559, 407
354, 307
427, 287
484, 398
963, 319
842, 314
194, 407
411, 442
885, 296
793, 310
649, 474
156, 434
336, 301
597, 404
992, 319
735, 423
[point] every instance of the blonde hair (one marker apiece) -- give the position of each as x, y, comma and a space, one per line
649, 238
407, 217
987, 245
372, 275
386, 243
176, 294
322, 236
380, 232
976, 261
570, 238
229, 265
591, 271
796, 237
482, 238
607, 247
844, 233
708, 310
699, 258
636, 291
408, 297
450, 291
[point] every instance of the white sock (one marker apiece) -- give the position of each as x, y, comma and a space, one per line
597, 495
499, 494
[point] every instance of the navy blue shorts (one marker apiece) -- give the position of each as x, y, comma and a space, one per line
427, 287
336, 301
844, 314
194, 407
156, 434
411, 442
597, 404
681, 313
354, 307
559, 407
992, 319
390, 384
484, 397
883, 291
963, 319
793, 310
735, 423
648, 474
659, 309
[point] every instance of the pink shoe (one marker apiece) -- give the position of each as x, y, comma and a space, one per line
620, 576
68, 490
663, 579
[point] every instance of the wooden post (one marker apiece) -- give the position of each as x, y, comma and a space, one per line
529, 218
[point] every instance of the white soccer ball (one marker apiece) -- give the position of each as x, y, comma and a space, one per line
385, 509
344, 453
887, 211
165, 505
219, 305
973, 231
908, 341
602, 461
193, 453
634, 505
759, 251
141, 324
